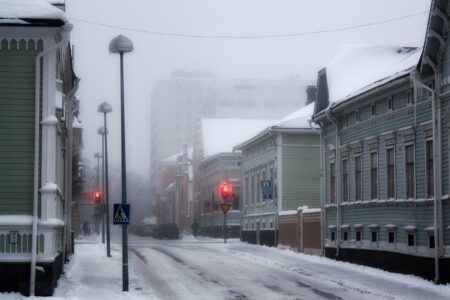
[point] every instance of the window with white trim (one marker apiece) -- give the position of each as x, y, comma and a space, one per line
390, 172
429, 168
345, 180
332, 182
374, 175
431, 243
409, 171
411, 239
391, 236
358, 178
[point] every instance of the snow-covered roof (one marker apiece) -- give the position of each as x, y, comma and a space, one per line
298, 119
174, 158
15, 10
221, 135
358, 68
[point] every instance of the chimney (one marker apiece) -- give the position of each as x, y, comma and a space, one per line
311, 94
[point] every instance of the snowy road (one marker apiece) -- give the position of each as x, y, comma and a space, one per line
208, 269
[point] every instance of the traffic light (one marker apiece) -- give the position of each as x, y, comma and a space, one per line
225, 190
98, 197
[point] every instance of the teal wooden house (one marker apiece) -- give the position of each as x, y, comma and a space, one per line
384, 118
286, 156
37, 87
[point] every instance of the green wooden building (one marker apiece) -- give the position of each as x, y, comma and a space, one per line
285, 157
37, 87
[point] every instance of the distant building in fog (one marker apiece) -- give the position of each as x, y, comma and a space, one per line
179, 102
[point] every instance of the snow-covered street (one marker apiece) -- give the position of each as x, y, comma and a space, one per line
206, 268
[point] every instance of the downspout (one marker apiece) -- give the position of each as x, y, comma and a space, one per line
322, 198
333, 120
436, 165
65, 39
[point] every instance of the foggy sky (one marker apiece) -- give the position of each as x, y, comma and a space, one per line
156, 56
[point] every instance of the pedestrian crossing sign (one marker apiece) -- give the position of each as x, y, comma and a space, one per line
121, 214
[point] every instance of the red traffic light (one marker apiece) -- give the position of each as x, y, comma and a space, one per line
225, 190
98, 197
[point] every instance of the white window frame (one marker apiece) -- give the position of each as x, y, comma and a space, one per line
360, 174
377, 175
395, 171
414, 170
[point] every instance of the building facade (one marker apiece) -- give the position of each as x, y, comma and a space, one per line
212, 172
286, 158
187, 97
37, 146
385, 151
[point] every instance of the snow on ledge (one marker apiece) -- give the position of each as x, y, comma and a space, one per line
287, 213
16, 220
51, 222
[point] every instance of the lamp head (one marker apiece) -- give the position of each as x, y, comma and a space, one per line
120, 44
104, 107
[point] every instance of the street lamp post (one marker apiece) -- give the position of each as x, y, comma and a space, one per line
97, 155
101, 131
121, 44
105, 108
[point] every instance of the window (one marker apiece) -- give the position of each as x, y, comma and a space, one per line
345, 235
252, 193
409, 171
390, 172
391, 237
410, 97
258, 189
374, 236
332, 183
372, 110
390, 104
247, 191
411, 239
344, 180
358, 235
431, 241
374, 175
333, 235
358, 179
357, 116
430, 171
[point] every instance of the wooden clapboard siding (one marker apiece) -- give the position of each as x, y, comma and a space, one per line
17, 77
301, 171
418, 215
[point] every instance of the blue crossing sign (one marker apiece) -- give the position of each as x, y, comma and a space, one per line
121, 214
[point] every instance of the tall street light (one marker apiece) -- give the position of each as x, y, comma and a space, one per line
101, 131
121, 44
97, 155
105, 108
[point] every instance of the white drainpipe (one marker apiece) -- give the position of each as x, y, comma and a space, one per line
337, 176
322, 190
436, 166
65, 39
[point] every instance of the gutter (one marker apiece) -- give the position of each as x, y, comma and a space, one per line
322, 189
337, 176
65, 39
